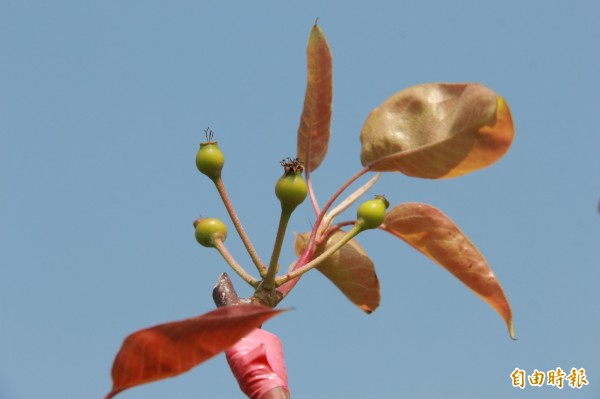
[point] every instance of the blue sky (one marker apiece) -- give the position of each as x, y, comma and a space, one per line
102, 107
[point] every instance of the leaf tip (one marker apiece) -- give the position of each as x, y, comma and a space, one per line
369, 308
112, 393
511, 331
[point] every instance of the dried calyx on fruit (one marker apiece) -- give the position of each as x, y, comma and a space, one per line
210, 159
291, 188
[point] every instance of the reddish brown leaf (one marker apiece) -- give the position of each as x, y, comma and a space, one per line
432, 233
437, 130
315, 121
169, 349
349, 268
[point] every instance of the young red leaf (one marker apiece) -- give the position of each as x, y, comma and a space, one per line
257, 364
432, 233
170, 349
349, 268
315, 121
437, 130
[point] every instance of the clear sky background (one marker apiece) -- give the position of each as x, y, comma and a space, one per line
102, 107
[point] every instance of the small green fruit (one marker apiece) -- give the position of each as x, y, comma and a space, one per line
291, 188
208, 230
210, 159
371, 214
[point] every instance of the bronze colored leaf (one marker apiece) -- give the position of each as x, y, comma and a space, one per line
432, 233
437, 130
349, 268
315, 121
170, 349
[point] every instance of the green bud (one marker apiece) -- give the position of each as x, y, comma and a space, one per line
291, 189
371, 214
210, 159
208, 230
